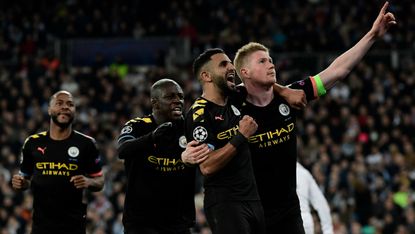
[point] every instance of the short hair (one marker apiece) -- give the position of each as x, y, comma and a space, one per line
203, 58
158, 85
244, 52
53, 97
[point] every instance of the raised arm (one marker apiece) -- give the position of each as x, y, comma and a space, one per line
295, 97
342, 65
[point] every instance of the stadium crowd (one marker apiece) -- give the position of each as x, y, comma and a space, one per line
358, 141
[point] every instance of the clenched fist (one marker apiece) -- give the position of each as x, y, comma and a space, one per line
247, 126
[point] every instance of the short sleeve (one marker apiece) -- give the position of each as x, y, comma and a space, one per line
93, 165
198, 124
26, 160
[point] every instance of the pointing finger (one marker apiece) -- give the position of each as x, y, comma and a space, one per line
385, 6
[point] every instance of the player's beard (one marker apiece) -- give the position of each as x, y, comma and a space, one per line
65, 125
222, 84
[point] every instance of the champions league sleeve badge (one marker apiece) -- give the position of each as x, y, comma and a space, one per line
126, 129
200, 134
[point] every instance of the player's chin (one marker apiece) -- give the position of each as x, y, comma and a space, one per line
176, 116
64, 119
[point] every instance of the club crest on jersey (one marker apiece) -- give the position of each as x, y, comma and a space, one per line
200, 134
126, 129
73, 151
235, 110
182, 142
284, 109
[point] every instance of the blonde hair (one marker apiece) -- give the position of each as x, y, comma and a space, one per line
244, 52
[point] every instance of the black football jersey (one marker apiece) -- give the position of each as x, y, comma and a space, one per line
57, 204
215, 125
160, 188
274, 150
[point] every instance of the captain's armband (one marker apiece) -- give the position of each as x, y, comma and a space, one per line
319, 86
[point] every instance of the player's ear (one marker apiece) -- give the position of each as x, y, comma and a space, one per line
205, 76
49, 111
244, 72
154, 103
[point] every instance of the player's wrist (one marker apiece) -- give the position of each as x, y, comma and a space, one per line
238, 140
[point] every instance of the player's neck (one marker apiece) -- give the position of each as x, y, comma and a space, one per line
259, 95
214, 95
159, 118
57, 133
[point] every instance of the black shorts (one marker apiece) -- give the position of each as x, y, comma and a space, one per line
290, 223
236, 218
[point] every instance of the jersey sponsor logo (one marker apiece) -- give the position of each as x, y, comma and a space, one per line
182, 142
73, 151
41, 150
126, 129
166, 164
272, 137
284, 109
56, 169
228, 134
235, 110
200, 133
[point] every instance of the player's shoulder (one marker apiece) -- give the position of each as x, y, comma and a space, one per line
197, 110
36, 137
83, 136
140, 121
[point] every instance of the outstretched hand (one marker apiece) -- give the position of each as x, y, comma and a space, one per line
383, 21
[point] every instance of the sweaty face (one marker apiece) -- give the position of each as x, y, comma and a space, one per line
62, 110
261, 68
171, 101
223, 74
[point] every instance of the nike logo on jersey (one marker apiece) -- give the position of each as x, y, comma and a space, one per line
41, 150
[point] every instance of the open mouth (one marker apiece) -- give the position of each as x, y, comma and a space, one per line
177, 110
230, 77
65, 115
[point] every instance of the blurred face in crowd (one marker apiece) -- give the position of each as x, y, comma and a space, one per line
222, 72
260, 68
62, 109
170, 101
